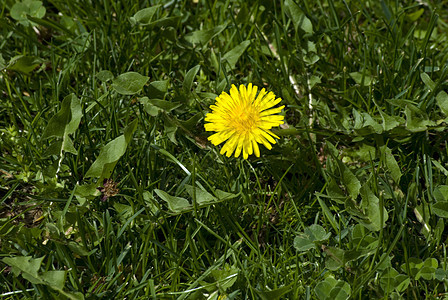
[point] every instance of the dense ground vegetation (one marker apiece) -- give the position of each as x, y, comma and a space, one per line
110, 189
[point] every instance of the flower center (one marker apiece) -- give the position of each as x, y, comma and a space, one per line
245, 120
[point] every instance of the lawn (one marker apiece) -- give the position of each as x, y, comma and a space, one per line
138, 162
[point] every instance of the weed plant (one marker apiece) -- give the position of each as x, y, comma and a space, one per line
109, 188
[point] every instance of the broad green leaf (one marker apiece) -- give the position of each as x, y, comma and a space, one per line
387, 280
303, 243
125, 211
370, 122
86, 191
317, 233
76, 114
370, 205
274, 294
428, 81
426, 273
189, 78
350, 181
373, 124
334, 258
111, 153
313, 81
354, 254
3, 64
221, 195
175, 204
150, 108
441, 193
334, 191
431, 263
298, 17
64, 122
441, 274
53, 230
226, 277
438, 231
310, 58
20, 10
390, 122
27, 266
158, 89
391, 164
358, 120
323, 288
202, 197
428, 269
214, 63
77, 248
354, 209
170, 129
153, 106
221, 86
129, 83
105, 75
344, 286
415, 15
163, 22
402, 282
327, 212
202, 37
339, 293
233, 55
366, 153
440, 209
414, 123
23, 64
362, 237
151, 202
144, 16
191, 123
415, 264
331, 149
205, 95
73, 296
362, 79
331, 288
243, 15
56, 125
68, 146
306, 240
442, 102
358, 233
54, 279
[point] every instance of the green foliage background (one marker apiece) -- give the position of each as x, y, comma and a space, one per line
109, 188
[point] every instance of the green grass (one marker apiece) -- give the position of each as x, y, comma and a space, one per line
350, 202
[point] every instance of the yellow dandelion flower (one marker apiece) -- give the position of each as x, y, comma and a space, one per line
244, 120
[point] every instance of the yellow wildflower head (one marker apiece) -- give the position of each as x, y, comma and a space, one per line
244, 120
